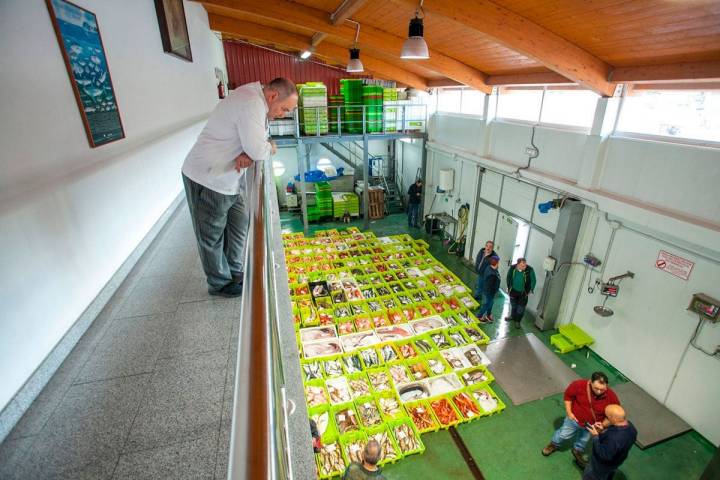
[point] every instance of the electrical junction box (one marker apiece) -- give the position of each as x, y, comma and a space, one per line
531, 151
591, 260
549, 264
609, 290
705, 306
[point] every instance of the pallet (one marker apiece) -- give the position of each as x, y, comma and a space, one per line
376, 211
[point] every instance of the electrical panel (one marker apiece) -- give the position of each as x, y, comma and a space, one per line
549, 264
609, 289
705, 306
591, 260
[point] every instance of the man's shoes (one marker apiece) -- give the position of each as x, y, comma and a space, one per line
231, 290
491, 318
485, 319
580, 459
517, 323
547, 451
507, 319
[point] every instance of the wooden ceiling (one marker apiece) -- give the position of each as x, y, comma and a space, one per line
481, 43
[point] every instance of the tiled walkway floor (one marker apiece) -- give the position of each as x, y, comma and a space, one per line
147, 392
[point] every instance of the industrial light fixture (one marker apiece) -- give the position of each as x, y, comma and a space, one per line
355, 65
415, 47
305, 54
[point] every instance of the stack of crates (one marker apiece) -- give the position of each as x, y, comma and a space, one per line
373, 100
336, 114
352, 91
323, 199
345, 202
313, 108
390, 113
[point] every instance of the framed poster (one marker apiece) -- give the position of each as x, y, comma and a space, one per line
82, 49
173, 28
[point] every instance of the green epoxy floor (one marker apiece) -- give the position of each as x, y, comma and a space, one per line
507, 446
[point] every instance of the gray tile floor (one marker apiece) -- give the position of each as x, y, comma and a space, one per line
147, 392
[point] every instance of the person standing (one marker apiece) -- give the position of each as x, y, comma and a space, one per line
585, 403
520, 284
491, 286
611, 445
414, 198
214, 176
368, 468
481, 264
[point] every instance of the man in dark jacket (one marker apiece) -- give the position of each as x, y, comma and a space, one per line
491, 286
611, 445
368, 469
481, 264
414, 197
520, 283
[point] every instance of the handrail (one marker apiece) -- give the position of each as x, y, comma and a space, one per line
270, 434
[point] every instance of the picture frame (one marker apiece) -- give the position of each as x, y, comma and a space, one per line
173, 28
78, 35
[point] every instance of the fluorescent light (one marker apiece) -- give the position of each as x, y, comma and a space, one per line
354, 65
306, 54
415, 47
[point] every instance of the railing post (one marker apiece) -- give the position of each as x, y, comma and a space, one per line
366, 180
303, 187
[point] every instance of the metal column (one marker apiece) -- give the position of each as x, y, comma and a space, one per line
303, 151
366, 181
423, 174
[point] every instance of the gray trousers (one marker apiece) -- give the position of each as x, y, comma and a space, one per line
221, 223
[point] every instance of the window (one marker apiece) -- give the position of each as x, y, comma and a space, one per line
472, 101
322, 163
520, 104
278, 168
692, 114
569, 107
449, 100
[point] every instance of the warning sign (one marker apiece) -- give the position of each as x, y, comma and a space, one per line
674, 265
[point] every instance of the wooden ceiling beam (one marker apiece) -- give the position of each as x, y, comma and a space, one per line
253, 31
317, 38
691, 71
443, 82
370, 37
346, 10
542, 78
528, 38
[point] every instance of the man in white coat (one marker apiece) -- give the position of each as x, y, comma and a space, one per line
236, 135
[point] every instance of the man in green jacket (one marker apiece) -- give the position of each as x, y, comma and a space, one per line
520, 283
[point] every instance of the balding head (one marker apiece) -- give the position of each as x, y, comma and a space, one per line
615, 414
371, 454
281, 97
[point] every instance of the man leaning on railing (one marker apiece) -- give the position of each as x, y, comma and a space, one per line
235, 136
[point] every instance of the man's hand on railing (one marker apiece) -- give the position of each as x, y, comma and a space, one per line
242, 161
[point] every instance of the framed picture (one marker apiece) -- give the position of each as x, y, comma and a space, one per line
82, 49
173, 28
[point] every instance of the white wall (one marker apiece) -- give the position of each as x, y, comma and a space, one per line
70, 215
664, 190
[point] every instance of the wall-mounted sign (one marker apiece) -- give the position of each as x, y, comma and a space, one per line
82, 49
674, 265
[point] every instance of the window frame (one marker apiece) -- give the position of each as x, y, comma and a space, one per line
459, 113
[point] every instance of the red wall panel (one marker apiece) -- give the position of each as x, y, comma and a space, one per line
247, 63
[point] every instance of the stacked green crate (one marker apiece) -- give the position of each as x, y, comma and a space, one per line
390, 112
345, 202
352, 91
336, 112
373, 100
323, 199
313, 107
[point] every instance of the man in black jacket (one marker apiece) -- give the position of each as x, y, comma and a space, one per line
611, 445
482, 261
414, 197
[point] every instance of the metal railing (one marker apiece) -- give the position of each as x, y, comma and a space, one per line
270, 433
353, 120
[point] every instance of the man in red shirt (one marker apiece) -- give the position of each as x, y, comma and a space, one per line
585, 402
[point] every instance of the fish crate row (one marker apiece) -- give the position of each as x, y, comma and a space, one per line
389, 347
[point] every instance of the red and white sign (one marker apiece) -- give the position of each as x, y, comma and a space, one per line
674, 265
